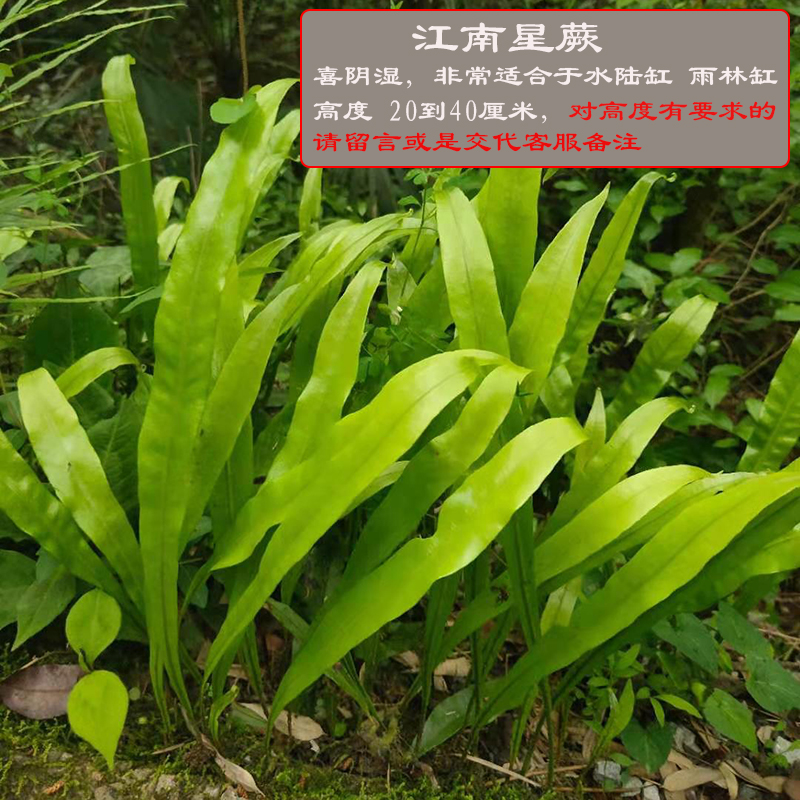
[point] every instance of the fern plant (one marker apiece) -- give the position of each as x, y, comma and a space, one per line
484, 417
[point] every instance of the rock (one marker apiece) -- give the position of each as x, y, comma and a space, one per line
685, 740
650, 792
104, 793
635, 786
139, 775
208, 793
56, 755
229, 794
747, 792
783, 747
166, 784
607, 771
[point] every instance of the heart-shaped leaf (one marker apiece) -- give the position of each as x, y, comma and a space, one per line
97, 709
92, 624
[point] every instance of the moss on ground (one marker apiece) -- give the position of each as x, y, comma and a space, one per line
43, 756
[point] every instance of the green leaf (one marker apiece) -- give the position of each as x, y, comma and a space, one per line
115, 440
468, 521
228, 110
619, 717
253, 267
650, 746
163, 198
73, 468
740, 633
690, 637
62, 333
679, 703
136, 184
35, 511
185, 337
600, 277
42, 602
662, 353
91, 366
469, 274
731, 718
97, 707
543, 311
310, 210
771, 686
310, 498
92, 624
614, 459
676, 554
17, 573
778, 426
430, 472
335, 370
607, 518
507, 208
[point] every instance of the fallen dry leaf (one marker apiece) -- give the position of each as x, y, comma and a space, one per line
764, 733
680, 759
666, 769
685, 779
772, 783
56, 787
729, 776
454, 667
792, 788
409, 659
40, 691
237, 775
303, 729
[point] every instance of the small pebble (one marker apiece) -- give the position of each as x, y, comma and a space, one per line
650, 792
635, 786
783, 747
166, 784
607, 771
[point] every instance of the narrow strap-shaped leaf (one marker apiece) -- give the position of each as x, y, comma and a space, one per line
163, 198
136, 184
231, 400
357, 450
604, 520
508, 210
468, 521
667, 562
600, 278
469, 274
73, 468
184, 344
663, 352
335, 370
768, 545
309, 330
595, 428
778, 426
255, 266
431, 472
541, 317
88, 369
345, 248
299, 629
614, 459
43, 517
310, 209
